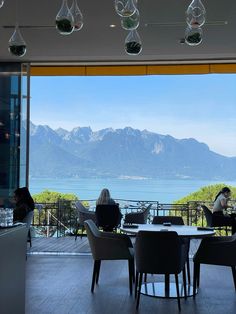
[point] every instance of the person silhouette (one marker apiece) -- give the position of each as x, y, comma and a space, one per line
105, 198
221, 204
24, 204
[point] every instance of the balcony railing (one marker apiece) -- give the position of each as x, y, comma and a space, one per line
60, 218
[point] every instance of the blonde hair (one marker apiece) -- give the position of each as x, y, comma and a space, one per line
104, 197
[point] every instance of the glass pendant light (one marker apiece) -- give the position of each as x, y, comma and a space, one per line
64, 19
193, 36
17, 45
1, 3
196, 14
125, 8
77, 15
131, 22
133, 44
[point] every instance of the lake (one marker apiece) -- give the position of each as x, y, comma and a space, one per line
164, 191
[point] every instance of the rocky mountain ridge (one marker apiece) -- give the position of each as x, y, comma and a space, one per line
124, 152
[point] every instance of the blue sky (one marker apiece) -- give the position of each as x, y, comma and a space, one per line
184, 106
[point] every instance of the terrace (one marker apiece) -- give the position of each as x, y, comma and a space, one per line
54, 225
61, 218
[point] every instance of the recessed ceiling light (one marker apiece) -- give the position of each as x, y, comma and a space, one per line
112, 25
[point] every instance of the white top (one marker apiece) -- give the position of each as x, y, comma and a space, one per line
217, 207
182, 230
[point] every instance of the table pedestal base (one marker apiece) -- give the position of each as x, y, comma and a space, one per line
158, 290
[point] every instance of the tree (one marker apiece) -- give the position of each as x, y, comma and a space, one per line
58, 213
53, 197
206, 193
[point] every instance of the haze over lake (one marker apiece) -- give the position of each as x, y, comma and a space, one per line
164, 191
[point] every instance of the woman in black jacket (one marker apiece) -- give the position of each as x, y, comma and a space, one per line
24, 204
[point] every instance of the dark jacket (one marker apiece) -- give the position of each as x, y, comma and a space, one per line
21, 210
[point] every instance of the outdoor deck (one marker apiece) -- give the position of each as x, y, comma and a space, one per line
68, 246
58, 281
59, 246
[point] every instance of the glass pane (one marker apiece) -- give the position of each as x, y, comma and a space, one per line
24, 125
10, 129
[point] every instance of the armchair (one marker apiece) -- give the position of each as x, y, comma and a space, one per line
109, 246
83, 214
153, 257
176, 220
215, 251
216, 221
108, 216
138, 217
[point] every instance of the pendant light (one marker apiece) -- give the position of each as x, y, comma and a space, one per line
77, 15
64, 19
193, 36
196, 14
125, 8
17, 45
130, 22
133, 44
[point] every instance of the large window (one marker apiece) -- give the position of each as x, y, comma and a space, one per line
153, 137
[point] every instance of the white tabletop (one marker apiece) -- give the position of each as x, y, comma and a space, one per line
183, 230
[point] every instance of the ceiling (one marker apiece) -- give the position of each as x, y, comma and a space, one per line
162, 26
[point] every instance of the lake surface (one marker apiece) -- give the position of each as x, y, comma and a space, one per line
164, 191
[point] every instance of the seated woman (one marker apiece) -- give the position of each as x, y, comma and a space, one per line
105, 198
108, 214
24, 204
220, 204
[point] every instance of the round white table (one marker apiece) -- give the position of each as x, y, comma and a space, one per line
182, 230
167, 289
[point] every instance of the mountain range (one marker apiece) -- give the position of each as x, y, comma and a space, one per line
123, 153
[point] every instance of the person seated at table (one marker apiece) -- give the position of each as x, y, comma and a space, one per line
108, 217
24, 204
221, 204
105, 198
